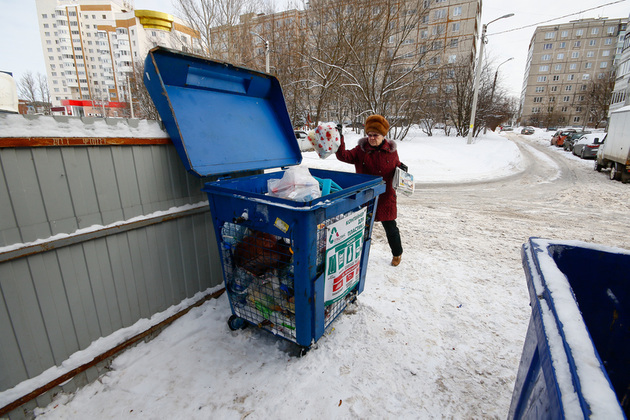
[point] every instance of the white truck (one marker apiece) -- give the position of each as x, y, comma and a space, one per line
614, 154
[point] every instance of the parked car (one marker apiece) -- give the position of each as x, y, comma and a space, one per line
559, 136
588, 144
507, 128
552, 128
303, 141
527, 130
570, 140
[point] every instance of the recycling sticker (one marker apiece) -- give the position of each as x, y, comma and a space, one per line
344, 245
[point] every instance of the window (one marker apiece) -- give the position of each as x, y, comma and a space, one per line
611, 30
456, 27
540, 89
556, 78
594, 31
452, 58
552, 99
548, 47
424, 34
576, 44
590, 54
572, 66
592, 43
454, 42
586, 76
564, 34
543, 68
571, 77
457, 11
603, 65
546, 57
550, 35
564, 108
588, 65
560, 56
558, 67
440, 14
605, 53
608, 41
542, 78
568, 88
538, 99
579, 32
576, 119
566, 98
562, 45
554, 88
575, 54
45, 25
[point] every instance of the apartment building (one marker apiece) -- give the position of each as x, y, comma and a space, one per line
563, 63
90, 47
621, 92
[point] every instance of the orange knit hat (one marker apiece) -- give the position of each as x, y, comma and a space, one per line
376, 123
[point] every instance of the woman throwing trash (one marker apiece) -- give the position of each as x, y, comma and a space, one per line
376, 155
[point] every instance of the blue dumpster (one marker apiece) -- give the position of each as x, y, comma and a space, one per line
576, 356
290, 267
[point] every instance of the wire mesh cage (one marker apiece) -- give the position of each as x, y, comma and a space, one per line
259, 271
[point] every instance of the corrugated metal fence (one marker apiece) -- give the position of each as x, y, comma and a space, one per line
92, 239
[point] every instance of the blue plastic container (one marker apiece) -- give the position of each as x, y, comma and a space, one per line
576, 356
226, 120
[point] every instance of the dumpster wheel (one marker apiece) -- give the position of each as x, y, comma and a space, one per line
236, 323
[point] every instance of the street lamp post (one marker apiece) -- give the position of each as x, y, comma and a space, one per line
266, 50
473, 112
494, 84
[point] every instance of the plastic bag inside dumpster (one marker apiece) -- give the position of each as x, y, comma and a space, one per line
290, 267
296, 183
576, 358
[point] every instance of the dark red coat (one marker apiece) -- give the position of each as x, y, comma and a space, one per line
381, 161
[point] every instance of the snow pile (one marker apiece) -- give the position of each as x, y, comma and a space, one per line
17, 125
441, 159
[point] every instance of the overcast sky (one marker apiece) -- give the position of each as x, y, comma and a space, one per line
21, 50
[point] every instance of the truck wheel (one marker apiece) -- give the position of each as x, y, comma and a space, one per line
597, 167
625, 176
614, 172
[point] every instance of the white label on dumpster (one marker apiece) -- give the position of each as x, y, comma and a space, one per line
344, 244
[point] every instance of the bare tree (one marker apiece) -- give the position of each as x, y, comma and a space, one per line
34, 90
44, 93
368, 51
597, 99
214, 20
143, 104
27, 88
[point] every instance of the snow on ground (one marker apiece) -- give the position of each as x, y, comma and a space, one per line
437, 337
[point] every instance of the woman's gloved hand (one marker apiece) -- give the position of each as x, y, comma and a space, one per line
403, 167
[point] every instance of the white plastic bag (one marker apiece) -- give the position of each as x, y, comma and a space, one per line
325, 139
296, 184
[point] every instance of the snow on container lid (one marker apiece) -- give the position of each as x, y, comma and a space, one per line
221, 118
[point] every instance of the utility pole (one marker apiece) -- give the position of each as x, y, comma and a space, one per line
473, 112
266, 51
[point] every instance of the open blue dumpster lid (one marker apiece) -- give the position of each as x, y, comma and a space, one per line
221, 118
